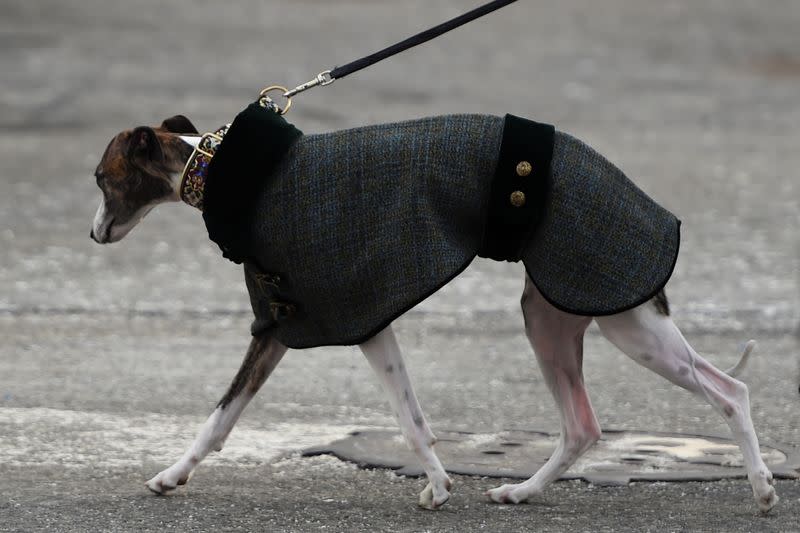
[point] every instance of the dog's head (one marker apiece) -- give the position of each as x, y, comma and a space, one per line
138, 171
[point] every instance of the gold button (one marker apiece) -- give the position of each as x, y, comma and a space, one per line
524, 168
517, 198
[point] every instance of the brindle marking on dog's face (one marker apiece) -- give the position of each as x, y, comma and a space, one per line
135, 174
127, 187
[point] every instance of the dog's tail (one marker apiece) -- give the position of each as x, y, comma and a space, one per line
738, 368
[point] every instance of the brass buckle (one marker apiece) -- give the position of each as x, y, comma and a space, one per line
206, 136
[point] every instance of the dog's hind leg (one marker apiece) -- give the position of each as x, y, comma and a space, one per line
385, 358
262, 357
651, 339
557, 339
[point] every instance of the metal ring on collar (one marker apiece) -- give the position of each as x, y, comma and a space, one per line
283, 90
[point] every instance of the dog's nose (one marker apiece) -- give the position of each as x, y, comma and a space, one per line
91, 235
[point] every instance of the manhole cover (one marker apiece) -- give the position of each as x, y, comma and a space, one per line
619, 456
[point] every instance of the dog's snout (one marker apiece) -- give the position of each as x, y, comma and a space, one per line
91, 235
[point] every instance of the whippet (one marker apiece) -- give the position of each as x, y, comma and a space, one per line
142, 168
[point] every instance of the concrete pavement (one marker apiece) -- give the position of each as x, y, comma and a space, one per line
110, 357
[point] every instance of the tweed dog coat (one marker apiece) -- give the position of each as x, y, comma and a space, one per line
340, 233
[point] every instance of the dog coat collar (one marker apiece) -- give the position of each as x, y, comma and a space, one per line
243, 165
193, 180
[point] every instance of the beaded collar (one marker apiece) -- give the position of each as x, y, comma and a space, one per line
193, 180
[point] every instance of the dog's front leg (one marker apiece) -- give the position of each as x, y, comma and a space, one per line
384, 356
262, 357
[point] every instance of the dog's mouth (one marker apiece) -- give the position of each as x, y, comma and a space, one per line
107, 228
105, 237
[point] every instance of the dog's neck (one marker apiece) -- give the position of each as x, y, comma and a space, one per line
190, 184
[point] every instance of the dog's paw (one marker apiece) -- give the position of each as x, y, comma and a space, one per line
764, 492
433, 498
166, 481
768, 497
768, 500
507, 494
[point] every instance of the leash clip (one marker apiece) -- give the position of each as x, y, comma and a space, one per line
322, 79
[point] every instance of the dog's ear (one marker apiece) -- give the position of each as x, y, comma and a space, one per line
144, 147
178, 124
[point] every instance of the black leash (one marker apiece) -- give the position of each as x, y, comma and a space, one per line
329, 76
425, 36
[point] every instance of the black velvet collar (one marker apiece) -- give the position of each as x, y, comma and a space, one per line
255, 143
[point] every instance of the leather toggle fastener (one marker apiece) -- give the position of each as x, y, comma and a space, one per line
267, 279
281, 310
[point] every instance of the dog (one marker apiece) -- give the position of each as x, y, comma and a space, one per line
142, 168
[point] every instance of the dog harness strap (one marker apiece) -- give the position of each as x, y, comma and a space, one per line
519, 188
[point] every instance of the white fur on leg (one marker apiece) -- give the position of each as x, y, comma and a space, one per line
557, 339
652, 340
261, 359
210, 438
386, 360
569, 449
